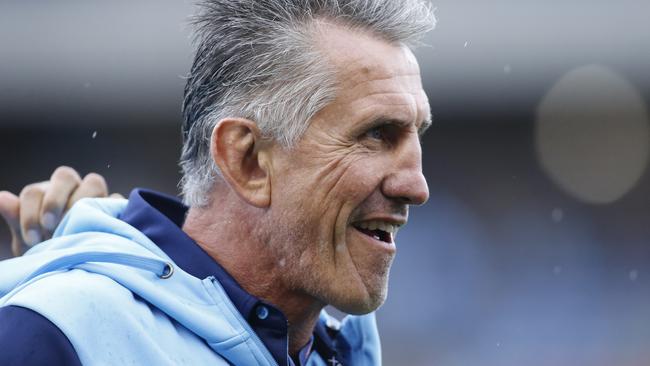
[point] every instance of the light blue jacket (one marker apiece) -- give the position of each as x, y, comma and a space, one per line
121, 300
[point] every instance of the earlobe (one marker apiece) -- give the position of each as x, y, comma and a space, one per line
240, 152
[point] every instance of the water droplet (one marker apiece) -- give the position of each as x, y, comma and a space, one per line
94, 134
507, 69
108, 166
466, 43
87, 85
557, 215
557, 270
634, 274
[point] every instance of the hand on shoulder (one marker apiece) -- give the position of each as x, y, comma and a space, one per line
33, 214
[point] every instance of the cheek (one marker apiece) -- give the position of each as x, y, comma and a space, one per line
354, 174
313, 202
329, 181
372, 267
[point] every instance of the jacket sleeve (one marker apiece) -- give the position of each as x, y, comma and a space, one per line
27, 338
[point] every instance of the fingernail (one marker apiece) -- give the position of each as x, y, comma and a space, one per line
49, 221
33, 237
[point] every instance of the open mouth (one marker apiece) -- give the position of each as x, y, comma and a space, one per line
378, 230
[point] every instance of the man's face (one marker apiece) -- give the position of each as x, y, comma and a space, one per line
341, 193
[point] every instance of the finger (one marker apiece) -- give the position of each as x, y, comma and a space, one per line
10, 210
116, 195
17, 245
63, 183
30, 207
93, 185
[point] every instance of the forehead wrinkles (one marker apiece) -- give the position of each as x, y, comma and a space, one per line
371, 71
399, 96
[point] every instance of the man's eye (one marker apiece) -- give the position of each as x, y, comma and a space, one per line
376, 133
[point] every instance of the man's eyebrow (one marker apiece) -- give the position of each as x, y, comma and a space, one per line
425, 125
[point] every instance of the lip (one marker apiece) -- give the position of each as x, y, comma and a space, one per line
395, 220
378, 245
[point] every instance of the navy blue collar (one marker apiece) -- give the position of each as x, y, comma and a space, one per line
160, 217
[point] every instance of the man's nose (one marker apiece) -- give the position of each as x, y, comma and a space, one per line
406, 182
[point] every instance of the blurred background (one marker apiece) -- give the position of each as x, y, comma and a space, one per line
534, 248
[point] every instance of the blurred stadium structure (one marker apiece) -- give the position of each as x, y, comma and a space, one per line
534, 248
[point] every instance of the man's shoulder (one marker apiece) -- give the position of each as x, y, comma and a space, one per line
71, 289
36, 317
81, 304
107, 323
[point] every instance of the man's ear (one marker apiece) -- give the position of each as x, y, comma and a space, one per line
240, 152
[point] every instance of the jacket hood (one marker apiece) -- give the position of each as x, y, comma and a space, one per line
93, 239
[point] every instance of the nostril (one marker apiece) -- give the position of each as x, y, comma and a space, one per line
405, 200
415, 195
415, 200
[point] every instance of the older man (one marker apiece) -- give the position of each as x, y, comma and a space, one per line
301, 156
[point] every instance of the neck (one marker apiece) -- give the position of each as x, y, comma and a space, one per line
231, 237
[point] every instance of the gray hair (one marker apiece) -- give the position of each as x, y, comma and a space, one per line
256, 59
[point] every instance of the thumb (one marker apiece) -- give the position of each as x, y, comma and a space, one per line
10, 212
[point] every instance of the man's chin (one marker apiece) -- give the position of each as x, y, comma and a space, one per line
361, 305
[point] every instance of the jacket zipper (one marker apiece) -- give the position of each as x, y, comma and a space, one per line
256, 339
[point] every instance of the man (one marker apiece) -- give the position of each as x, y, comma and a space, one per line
301, 156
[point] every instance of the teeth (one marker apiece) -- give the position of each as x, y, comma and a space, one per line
378, 225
